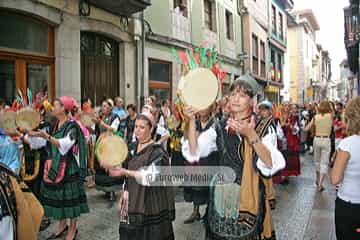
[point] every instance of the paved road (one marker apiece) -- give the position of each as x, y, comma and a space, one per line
301, 213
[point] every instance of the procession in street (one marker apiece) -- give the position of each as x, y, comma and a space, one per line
114, 125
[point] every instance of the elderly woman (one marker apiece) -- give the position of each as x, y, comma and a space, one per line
62, 192
150, 209
322, 122
346, 172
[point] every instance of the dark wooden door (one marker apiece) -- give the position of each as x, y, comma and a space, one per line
99, 67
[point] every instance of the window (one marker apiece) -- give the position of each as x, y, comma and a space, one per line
281, 27
279, 67
229, 25
21, 32
160, 79
273, 19
262, 60
27, 56
181, 7
273, 64
255, 54
38, 76
209, 12
7, 82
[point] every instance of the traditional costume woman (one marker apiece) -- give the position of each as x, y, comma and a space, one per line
292, 154
149, 209
109, 122
240, 210
62, 192
200, 195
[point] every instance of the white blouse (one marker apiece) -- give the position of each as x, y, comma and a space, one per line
65, 144
207, 145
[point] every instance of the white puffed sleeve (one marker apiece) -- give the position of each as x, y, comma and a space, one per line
66, 144
160, 130
115, 124
278, 161
206, 145
35, 142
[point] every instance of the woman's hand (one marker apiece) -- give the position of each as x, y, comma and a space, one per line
123, 203
38, 133
96, 119
243, 127
118, 172
190, 112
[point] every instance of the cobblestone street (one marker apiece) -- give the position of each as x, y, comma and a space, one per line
301, 213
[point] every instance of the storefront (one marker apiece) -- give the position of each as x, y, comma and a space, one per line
272, 93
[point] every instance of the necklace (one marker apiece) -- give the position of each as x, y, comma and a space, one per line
142, 143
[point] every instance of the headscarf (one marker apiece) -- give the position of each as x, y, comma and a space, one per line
68, 102
149, 116
266, 103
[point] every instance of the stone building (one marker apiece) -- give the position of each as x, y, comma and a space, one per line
81, 48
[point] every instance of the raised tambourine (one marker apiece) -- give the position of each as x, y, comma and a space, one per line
199, 88
86, 119
111, 151
172, 122
7, 121
27, 118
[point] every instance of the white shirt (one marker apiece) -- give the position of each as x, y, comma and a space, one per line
207, 145
65, 145
159, 131
349, 187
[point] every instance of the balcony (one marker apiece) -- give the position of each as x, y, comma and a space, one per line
121, 7
180, 26
352, 34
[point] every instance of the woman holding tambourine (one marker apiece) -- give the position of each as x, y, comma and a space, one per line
146, 210
240, 209
106, 124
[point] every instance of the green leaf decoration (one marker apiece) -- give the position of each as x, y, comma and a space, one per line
193, 63
176, 55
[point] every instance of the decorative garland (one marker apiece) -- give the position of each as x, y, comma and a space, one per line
200, 57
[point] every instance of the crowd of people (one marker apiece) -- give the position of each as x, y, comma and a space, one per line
261, 142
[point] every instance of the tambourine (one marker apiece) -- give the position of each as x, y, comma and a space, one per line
111, 151
27, 118
7, 121
86, 119
172, 123
199, 88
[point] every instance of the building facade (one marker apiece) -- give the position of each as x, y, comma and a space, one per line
304, 57
77, 48
325, 73
352, 39
277, 12
347, 85
179, 24
255, 19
